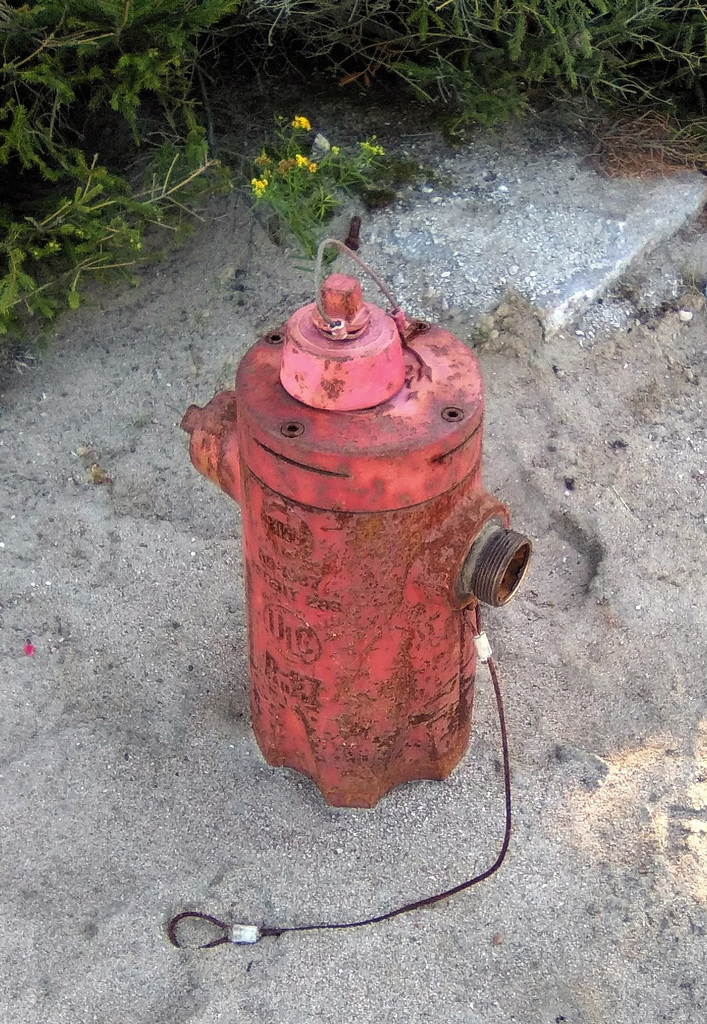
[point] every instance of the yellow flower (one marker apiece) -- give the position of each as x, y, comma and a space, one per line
302, 161
303, 123
312, 167
259, 185
370, 150
285, 165
263, 160
335, 150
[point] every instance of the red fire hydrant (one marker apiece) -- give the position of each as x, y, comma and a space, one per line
352, 442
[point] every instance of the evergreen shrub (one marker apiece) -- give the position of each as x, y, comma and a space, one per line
103, 102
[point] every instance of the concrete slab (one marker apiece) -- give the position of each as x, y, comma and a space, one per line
525, 212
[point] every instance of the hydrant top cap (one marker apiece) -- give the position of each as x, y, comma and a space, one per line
342, 298
342, 353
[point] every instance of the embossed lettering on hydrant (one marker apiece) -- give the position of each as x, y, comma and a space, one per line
295, 638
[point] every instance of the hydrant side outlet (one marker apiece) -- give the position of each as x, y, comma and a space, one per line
359, 530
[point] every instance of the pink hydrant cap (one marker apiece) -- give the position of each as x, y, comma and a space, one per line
349, 358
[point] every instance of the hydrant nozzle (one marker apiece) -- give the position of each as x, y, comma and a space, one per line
496, 564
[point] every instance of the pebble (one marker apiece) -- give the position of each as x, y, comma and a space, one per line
685, 315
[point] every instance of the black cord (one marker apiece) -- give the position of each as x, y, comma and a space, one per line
274, 932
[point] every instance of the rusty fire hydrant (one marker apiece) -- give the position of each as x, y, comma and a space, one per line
352, 442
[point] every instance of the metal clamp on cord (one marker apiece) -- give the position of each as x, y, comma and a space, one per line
240, 934
483, 647
243, 934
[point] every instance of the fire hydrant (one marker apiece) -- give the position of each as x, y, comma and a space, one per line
352, 442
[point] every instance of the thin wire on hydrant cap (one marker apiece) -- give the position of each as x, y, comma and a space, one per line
242, 934
334, 243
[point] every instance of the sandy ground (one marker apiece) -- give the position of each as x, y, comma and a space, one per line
131, 784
